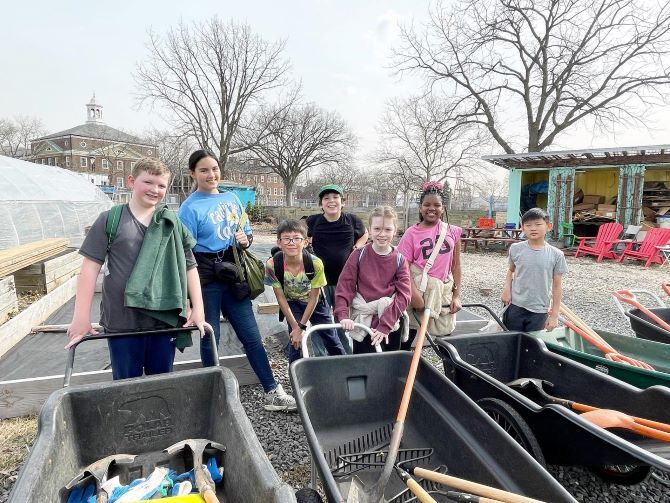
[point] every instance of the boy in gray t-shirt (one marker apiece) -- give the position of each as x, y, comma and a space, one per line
534, 278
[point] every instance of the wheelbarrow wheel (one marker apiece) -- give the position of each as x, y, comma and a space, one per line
307, 495
625, 475
514, 425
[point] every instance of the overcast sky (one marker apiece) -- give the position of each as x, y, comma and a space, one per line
56, 54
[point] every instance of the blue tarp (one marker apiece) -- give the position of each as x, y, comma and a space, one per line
245, 193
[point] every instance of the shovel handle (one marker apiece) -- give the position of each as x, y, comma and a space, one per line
209, 496
420, 493
473, 487
411, 375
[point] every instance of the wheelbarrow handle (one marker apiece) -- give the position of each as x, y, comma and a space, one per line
70, 355
495, 317
326, 326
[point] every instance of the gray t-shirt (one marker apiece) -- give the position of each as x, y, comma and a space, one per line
535, 269
125, 249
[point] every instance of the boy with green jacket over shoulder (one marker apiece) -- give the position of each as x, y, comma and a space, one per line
151, 272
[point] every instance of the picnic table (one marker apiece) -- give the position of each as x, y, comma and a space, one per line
476, 235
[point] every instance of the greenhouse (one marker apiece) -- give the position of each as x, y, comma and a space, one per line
39, 202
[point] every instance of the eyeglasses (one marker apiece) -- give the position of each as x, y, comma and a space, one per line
288, 241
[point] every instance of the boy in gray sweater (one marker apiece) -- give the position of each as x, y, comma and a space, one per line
533, 286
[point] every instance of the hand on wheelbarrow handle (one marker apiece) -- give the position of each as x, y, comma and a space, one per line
325, 326
70, 356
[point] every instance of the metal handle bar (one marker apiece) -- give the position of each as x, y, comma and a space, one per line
70, 356
325, 326
490, 311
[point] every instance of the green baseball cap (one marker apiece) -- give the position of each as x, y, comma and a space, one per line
331, 187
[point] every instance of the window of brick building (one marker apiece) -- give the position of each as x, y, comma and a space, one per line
262, 178
67, 161
119, 182
119, 165
83, 162
83, 144
275, 191
50, 161
132, 165
105, 164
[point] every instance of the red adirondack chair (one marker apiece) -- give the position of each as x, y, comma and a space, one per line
649, 248
608, 234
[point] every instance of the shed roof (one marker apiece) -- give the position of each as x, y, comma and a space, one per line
615, 156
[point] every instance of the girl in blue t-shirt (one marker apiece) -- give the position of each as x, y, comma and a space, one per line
213, 218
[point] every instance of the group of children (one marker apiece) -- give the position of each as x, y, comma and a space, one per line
324, 267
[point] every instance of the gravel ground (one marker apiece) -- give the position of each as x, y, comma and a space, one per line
585, 290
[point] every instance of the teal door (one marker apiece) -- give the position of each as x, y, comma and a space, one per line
560, 198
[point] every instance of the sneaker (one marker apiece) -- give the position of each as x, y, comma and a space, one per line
278, 399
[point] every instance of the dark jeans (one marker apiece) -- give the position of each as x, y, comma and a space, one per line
218, 298
317, 344
137, 354
519, 319
320, 316
365, 345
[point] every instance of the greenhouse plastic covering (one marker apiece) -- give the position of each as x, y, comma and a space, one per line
39, 202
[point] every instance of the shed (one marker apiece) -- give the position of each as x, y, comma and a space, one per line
246, 193
620, 176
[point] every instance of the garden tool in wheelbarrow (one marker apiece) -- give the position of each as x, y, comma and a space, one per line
578, 326
605, 418
203, 479
358, 493
99, 471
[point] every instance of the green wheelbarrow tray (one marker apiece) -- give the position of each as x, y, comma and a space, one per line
565, 342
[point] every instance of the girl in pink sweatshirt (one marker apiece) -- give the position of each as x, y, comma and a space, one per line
374, 288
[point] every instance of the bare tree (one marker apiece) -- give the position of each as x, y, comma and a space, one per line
424, 138
17, 133
346, 176
301, 137
543, 66
212, 77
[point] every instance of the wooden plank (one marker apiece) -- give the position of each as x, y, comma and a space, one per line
18, 257
31, 278
71, 257
18, 327
267, 308
8, 301
21, 397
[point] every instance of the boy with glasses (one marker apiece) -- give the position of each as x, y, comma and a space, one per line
298, 294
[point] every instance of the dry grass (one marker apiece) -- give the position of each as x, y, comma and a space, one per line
25, 299
16, 437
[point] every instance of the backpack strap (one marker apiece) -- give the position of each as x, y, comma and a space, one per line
399, 257
112, 224
278, 265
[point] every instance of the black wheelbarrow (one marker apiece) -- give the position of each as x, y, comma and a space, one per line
645, 322
347, 405
482, 366
80, 425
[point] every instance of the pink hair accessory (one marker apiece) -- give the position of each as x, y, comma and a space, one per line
431, 186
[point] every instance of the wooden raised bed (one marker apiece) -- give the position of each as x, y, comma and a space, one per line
46, 276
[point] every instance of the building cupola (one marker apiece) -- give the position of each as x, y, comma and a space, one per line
94, 112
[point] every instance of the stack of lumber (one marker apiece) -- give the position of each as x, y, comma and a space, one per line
45, 276
18, 257
8, 301
655, 200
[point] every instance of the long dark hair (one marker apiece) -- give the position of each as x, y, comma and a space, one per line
196, 156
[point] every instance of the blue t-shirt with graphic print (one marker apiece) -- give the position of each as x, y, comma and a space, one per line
212, 219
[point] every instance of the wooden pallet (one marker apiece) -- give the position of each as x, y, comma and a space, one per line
8, 301
50, 274
18, 257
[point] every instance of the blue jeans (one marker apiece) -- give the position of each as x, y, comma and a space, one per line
317, 344
518, 319
321, 315
133, 355
218, 298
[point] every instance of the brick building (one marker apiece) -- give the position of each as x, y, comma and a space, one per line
102, 154
270, 190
